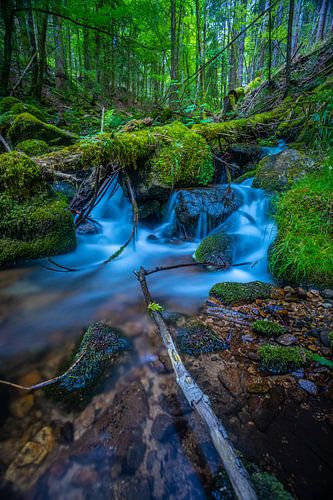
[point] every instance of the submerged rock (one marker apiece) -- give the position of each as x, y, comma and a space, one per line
277, 172
89, 227
198, 211
98, 346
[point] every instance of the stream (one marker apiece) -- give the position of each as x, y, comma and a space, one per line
43, 313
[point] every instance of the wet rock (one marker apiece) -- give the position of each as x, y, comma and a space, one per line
247, 338
298, 373
308, 386
276, 172
163, 427
258, 386
89, 227
230, 378
206, 206
175, 318
153, 238
287, 339
327, 293
324, 337
245, 153
149, 210
136, 450
196, 338
66, 188
173, 405
215, 249
264, 410
21, 406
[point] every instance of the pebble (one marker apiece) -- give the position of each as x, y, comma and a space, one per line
258, 386
308, 386
286, 339
247, 338
298, 373
20, 407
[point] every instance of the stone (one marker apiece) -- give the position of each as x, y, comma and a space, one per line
308, 386
89, 227
21, 406
258, 386
327, 293
327, 305
264, 410
298, 373
243, 154
286, 339
163, 427
324, 337
230, 378
247, 338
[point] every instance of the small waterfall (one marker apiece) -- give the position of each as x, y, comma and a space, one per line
202, 227
269, 151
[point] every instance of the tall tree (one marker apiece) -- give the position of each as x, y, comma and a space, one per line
289, 42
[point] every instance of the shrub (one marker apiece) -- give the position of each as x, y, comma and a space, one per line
267, 328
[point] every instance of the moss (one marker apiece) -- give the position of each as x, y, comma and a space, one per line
33, 147
33, 110
268, 487
198, 338
20, 177
184, 160
97, 348
215, 249
7, 102
279, 360
245, 176
26, 126
39, 227
330, 339
303, 250
253, 85
241, 293
267, 328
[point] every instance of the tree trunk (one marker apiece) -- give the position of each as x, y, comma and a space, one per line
322, 20
8, 20
37, 92
289, 43
173, 64
60, 73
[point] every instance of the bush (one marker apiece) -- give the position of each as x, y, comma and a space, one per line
303, 250
267, 328
278, 359
241, 293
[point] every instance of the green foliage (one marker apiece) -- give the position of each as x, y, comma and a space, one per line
154, 307
113, 120
26, 126
303, 250
267, 328
33, 147
279, 360
268, 487
241, 293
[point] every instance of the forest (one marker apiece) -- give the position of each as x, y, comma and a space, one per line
166, 252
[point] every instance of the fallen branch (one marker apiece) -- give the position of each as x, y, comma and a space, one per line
134, 223
192, 264
45, 383
5, 144
237, 474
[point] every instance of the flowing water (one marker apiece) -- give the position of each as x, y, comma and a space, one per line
44, 311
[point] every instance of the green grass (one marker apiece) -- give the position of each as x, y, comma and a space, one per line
279, 360
303, 250
267, 328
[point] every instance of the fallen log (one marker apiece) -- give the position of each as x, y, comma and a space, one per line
233, 466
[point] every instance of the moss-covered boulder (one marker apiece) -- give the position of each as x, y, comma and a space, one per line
20, 107
303, 249
33, 147
7, 102
27, 126
278, 172
97, 348
34, 221
241, 293
215, 249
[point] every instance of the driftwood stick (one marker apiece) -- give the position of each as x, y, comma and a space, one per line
195, 264
237, 474
45, 383
5, 144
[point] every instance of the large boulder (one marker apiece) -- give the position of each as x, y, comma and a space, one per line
27, 126
278, 172
215, 249
205, 207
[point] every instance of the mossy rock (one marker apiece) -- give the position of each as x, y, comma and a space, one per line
241, 293
267, 328
33, 110
280, 360
7, 102
278, 172
198, 338
39, 227
33, 147
215, 249
184, 160
97, 348
247, 175
26, 126
20, 177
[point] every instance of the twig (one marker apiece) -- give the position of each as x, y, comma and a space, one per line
238, 475
24, 72
45, 383
192, 264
